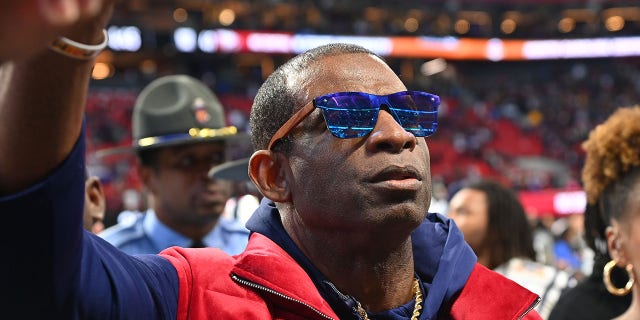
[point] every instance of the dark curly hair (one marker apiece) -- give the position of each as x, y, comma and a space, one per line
277, 99
509, 233
611, 172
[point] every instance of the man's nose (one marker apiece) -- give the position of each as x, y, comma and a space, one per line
389, 136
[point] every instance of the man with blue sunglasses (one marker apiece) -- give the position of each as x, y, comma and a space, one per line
343, 231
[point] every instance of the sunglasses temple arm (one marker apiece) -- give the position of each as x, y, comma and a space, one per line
291, 123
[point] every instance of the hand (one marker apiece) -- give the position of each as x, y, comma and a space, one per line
42, 92
88, 28
28, 26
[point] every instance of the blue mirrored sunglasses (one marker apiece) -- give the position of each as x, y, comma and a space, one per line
354, 114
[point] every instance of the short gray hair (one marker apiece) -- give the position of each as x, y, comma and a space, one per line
276, 100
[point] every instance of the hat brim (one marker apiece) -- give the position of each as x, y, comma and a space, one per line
115, 151
236, 170
184, 139
170, 141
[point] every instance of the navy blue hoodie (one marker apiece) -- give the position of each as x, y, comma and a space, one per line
443, 262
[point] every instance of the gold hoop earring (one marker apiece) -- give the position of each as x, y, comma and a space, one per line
606, 277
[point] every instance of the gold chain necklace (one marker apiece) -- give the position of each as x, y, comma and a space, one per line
417, 294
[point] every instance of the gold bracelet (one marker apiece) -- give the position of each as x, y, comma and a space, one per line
78, 50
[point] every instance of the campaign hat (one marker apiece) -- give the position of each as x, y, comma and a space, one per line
176, 110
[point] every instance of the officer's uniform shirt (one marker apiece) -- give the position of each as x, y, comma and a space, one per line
146, 234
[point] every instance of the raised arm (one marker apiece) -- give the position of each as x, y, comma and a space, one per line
42, 101
42, 98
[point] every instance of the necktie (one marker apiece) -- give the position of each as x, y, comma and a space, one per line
197, 244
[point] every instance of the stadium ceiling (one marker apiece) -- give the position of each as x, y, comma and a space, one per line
486, 19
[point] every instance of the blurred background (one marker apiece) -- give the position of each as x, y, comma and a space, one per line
522, 82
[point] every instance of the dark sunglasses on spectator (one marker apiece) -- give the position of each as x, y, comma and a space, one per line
354, 114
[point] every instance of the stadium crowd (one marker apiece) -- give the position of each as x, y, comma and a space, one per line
493, 117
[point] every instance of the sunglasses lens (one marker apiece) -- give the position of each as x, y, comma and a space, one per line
420, 123
417, 112
354, 114
348, 116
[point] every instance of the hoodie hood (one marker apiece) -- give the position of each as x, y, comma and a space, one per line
443, 261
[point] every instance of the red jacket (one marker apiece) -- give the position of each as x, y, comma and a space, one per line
264, 282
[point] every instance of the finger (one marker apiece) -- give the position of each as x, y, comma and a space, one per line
89, 8
59, 12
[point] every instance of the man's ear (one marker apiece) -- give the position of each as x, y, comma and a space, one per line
95, 197
267, 171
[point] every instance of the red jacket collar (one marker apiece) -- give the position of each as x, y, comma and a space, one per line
493, 296
269, 266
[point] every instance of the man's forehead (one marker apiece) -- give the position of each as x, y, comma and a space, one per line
347, 72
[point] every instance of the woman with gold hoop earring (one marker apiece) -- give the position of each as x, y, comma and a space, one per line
622, 239
611, 180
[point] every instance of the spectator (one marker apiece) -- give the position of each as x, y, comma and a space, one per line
495, 225
569, 247
611, 178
